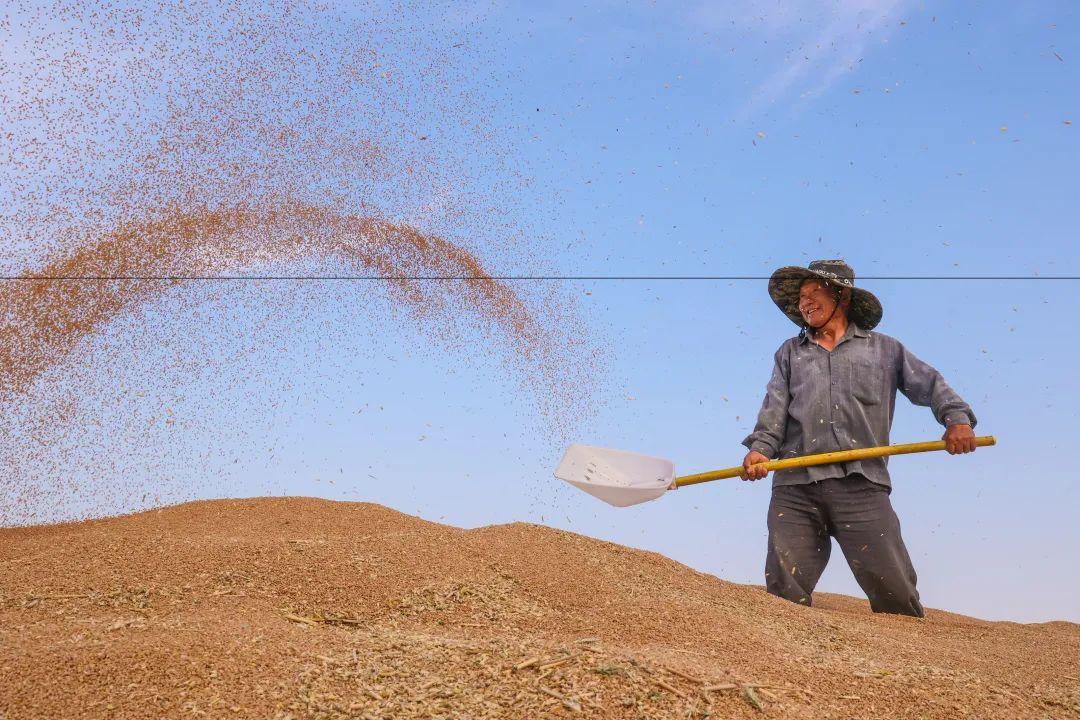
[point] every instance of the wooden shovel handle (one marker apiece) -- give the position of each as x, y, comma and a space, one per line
827, 458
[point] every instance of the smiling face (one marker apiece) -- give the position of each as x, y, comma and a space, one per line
817, 303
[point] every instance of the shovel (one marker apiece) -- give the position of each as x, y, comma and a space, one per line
622, 478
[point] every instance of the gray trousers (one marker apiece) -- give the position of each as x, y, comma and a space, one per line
855, 511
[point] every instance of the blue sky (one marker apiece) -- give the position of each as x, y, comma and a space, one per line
909, 138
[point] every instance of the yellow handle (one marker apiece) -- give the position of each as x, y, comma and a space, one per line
827, 458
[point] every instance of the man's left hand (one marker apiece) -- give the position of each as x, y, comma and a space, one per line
959, 439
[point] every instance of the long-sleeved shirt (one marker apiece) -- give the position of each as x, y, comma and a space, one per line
821, 401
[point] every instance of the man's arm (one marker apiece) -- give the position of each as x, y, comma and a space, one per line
925, 386
768, 434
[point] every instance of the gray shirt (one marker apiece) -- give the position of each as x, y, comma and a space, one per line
822, 401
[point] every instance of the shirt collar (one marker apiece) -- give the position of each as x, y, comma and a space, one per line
852, 330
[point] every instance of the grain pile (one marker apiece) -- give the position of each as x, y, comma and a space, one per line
302, 608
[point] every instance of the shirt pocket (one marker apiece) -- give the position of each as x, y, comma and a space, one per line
866, 382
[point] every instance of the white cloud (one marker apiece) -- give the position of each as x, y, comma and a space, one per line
826, 40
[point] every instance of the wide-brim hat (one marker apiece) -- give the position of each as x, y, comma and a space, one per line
865, 309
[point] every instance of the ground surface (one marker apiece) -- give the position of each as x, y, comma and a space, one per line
301, 608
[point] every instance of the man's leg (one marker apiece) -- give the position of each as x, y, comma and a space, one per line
799, 542
868, 531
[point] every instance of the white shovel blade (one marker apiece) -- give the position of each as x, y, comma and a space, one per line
617, 477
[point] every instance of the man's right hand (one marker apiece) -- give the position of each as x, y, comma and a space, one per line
752, 469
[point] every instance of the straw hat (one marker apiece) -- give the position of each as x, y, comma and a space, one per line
865, 309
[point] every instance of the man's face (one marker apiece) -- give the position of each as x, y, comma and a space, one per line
816, 302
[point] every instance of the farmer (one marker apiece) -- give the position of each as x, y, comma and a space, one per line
833, 387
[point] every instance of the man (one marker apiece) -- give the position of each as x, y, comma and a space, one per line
833, 387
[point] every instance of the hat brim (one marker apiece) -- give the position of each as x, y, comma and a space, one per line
865, 309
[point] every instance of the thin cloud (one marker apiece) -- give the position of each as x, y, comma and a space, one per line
827, 40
